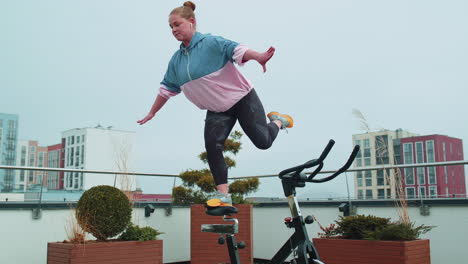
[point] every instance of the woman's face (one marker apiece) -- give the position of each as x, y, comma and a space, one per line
182, 28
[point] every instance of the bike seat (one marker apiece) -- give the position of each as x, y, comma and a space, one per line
221, 210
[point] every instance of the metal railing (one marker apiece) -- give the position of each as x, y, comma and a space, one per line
355, 169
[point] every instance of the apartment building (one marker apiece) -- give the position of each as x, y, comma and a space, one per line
98, 148
30, 154
8, 142
54, 158
377, 148
440, 181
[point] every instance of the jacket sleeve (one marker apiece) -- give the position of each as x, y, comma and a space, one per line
225, 47
170, 78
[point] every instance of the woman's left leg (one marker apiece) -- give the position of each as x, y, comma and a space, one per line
252, 119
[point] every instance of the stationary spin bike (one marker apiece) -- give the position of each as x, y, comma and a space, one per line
299, 243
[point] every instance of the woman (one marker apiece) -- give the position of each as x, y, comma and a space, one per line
203, 69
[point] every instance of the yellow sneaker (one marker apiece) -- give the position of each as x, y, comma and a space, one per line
219, 200
287, 120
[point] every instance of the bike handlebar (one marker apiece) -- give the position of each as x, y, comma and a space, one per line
338, 172
319, 162
310, 163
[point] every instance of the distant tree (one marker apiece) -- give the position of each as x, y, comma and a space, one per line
198, 185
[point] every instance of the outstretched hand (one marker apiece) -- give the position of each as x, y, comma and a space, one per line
265, 57
145, 119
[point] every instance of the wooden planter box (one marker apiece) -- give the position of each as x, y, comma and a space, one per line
204, 247
106, 252
339, 251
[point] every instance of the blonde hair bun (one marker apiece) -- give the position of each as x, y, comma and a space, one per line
190, 4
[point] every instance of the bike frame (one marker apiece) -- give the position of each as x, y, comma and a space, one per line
300, 238
299, 242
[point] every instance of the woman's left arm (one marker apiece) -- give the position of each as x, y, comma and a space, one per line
261, 57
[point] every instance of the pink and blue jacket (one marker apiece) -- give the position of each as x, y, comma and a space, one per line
205, 72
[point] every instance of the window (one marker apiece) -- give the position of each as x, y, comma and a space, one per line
380, 177
30, 177
360, 194
82, 154
432, 175
359, 178
409, 176
23, 156
381, 194
31, 159
381, 149
430, 150
71, 155
446, 174
422, 192
419, 152
367, 152
359, 154
433, 191
368, 175
369, 194
408, 153
70, 180
397, 151
444, 151
410, 194
421, 176
72, 140
389, 194
41, 159
408, 159
76, 181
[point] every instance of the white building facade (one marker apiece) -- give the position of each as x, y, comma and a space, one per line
377, 148
100, 149
29, 153
22, 154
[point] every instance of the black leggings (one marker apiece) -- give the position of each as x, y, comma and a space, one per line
218, 126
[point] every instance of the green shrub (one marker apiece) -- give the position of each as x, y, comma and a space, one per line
134, 232
398, 231
103, 211
373, 228
356, 227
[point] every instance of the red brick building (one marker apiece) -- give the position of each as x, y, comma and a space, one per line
433, 182
54, 158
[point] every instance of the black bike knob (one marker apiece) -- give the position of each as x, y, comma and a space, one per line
309, 219
241, 245
221, 241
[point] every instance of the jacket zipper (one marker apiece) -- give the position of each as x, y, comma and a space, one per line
188, 64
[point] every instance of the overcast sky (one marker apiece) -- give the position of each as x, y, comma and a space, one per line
403, 63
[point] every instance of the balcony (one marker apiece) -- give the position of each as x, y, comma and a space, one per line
21, 230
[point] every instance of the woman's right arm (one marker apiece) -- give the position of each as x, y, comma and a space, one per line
157, 105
